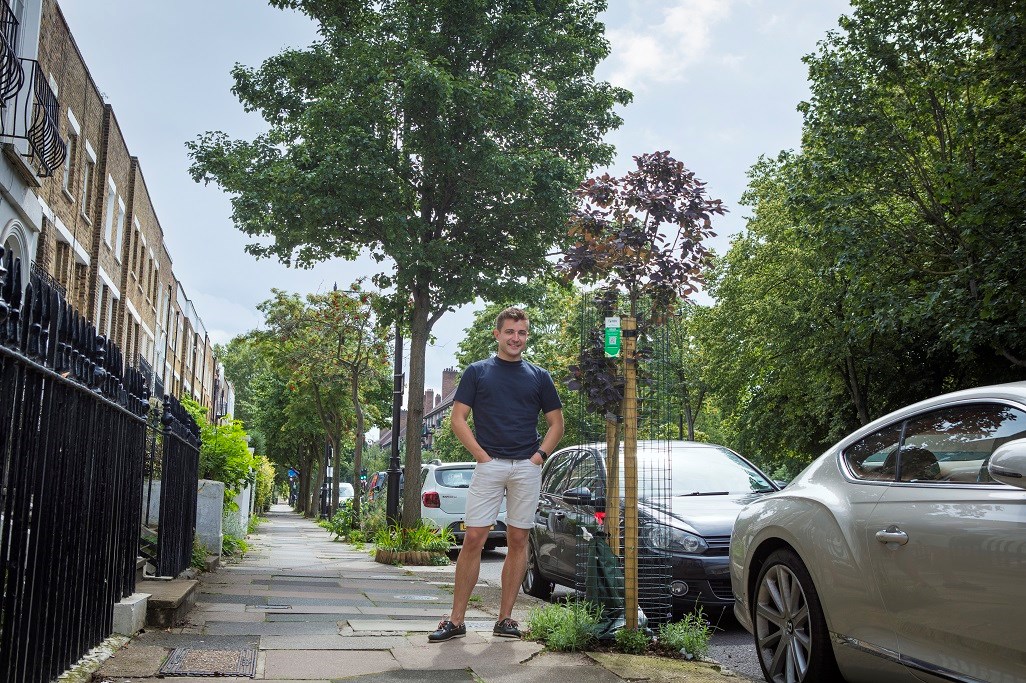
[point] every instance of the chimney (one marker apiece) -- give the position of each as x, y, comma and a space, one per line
429, 401
438, 400
448, 381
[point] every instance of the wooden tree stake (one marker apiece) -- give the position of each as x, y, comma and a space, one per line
630, 471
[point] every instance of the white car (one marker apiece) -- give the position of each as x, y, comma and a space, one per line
443, 500
899, 554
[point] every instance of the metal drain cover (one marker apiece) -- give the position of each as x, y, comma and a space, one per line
187, 661
416, 598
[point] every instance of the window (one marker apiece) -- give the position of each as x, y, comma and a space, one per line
585, 473
88, 170
108, 223
872, 457
69, 161
954, 444
121, 229
62, 265
556, 470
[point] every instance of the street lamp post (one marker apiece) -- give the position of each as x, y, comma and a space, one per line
392, 500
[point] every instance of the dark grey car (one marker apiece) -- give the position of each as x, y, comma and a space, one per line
686, 515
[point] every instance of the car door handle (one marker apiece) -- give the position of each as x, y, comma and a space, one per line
892, 534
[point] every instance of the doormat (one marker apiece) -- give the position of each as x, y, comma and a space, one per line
187, 661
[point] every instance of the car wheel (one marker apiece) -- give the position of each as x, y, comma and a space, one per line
791, 636
534, 583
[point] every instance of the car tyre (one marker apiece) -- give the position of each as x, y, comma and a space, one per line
534, 583
791, 636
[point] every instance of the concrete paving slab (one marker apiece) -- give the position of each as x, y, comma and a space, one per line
225, 628
424, 625
134, 659
317, 664
323, 602
454, 675
547, 667
657, 669
226, 599
331, 642
299, 618
200, 617
457, 654
196, 640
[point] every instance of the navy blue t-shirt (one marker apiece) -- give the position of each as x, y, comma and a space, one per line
505, 398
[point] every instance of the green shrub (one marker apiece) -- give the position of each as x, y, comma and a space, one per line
230, 545
254, 523
341, 523
567, 628
692, 635
632, 641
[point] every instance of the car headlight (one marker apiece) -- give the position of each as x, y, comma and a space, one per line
675, 540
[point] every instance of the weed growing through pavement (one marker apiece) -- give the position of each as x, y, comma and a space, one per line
567, 628
691, 635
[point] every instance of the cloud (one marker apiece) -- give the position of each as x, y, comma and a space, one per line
645, 52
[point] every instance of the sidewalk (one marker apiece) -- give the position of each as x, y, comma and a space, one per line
300, 607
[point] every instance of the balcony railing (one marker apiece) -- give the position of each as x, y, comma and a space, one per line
36, 116
48, 279
12, 76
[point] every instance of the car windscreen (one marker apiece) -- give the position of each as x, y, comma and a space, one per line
710, 470
345, 489
456, 478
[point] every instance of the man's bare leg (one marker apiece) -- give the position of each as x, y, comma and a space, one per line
468, 568
513, 569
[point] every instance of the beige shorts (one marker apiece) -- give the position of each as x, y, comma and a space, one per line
518, 480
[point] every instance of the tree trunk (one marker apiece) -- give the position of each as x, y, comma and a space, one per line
305, 477
419, 330
358, 446
335, 449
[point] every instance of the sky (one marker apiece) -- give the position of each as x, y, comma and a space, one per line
715, 82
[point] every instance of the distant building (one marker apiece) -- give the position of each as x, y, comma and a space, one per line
436, 407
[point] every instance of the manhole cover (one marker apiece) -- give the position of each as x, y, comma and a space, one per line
416, 598
187, 661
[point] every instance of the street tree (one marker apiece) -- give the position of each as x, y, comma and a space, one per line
640, 236
443, 138
336, 349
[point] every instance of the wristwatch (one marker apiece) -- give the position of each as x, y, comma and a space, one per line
543, 454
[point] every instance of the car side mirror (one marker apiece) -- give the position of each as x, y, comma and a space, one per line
581, 495
1008, 464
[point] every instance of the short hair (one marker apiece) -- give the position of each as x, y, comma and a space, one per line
510, 313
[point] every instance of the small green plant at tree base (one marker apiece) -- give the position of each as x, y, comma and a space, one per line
689, 637
632, 641
254, 523
424, 537
567, 628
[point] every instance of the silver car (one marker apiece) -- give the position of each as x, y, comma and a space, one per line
899, 554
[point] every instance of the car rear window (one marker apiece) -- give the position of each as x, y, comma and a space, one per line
456, 478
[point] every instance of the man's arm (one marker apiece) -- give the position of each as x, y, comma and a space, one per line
554, 418
461, 429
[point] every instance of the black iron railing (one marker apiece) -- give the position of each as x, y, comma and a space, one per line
12, 76
178, 485
72, 431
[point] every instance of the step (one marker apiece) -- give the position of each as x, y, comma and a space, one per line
169, 602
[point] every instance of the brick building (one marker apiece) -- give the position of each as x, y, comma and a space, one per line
75, 207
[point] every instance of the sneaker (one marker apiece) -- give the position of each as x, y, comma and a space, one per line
507, 628
447, 631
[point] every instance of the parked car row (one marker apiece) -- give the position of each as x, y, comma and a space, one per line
898, 554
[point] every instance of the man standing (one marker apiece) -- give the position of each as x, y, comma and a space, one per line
505, 394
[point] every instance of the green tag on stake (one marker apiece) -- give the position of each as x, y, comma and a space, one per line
612, 337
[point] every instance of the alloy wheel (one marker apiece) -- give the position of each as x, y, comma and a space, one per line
783, 629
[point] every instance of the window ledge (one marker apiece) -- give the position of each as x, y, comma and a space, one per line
67, 195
